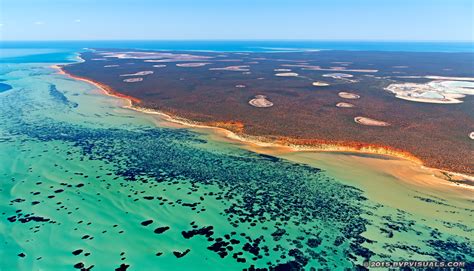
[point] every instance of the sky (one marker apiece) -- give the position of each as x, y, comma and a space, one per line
379, 20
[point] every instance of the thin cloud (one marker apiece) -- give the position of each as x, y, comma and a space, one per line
77, 20
39, 23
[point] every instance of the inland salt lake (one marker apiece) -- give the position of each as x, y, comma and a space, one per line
87, 184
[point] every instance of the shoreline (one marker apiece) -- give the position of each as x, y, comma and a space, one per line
257, 143
287, 144
105, 89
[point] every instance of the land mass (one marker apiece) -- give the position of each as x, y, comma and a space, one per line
247, 94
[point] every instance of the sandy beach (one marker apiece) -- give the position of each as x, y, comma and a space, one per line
103, 88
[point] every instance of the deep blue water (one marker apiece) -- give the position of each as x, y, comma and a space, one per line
65, 47
4, 87
252, 45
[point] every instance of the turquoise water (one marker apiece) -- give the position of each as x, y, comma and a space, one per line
87, 183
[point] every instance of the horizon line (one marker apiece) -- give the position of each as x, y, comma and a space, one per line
243, 40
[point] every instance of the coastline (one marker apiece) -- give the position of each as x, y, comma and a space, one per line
114, 184
105, 89
284, 145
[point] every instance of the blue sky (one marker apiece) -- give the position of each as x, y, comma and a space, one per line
237, 19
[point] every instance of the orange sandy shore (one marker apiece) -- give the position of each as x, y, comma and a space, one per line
106, 89
234, 130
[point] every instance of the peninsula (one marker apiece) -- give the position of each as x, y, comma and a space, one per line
394, 103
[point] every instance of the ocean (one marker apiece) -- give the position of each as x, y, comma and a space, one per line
57, 50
